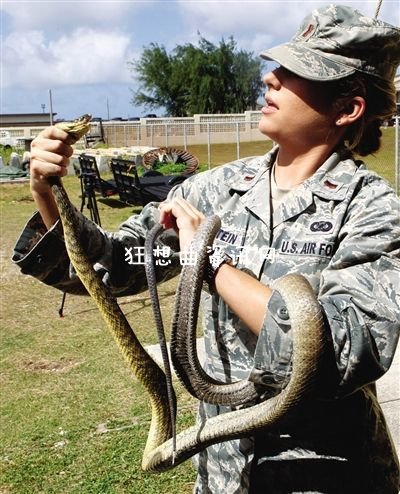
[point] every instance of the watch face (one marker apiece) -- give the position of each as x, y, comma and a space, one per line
217, 258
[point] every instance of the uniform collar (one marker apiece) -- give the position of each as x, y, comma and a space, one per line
331, 181
252, 171
252, 184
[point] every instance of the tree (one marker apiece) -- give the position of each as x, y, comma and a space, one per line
198, 79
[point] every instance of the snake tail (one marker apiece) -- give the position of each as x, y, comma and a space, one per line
155, 302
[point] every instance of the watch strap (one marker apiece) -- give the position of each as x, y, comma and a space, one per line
216, 259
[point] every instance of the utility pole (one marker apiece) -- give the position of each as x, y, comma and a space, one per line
51, 107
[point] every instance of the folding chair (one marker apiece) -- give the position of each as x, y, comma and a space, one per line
139, 191
88, 164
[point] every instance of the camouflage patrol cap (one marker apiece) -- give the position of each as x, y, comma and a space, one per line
335, 41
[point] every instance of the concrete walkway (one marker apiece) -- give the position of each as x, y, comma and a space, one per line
388, 388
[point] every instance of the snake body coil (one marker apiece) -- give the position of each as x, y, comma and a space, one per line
308, 344
183, 334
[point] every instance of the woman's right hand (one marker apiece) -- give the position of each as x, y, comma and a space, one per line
50, 153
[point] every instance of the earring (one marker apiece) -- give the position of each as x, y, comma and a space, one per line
339, 122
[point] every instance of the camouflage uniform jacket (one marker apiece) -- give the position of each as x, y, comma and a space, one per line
341, 230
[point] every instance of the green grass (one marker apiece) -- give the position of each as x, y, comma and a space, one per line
72, 417
383, 162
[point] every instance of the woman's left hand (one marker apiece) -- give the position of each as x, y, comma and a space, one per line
245, 295
184, 218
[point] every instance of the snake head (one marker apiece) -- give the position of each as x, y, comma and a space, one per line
77, 128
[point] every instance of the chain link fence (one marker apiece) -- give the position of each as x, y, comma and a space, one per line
213, 139
217, 141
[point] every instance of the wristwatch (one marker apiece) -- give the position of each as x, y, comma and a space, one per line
216, 259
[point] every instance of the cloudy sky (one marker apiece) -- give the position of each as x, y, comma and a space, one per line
79, 49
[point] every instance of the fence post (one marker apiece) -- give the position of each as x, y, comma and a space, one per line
208, 146
237, 141
396, 154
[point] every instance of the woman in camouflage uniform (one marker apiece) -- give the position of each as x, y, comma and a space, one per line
306, 207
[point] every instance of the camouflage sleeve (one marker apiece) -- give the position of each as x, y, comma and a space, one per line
359, 293
273, 355
360, 288
118, 257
